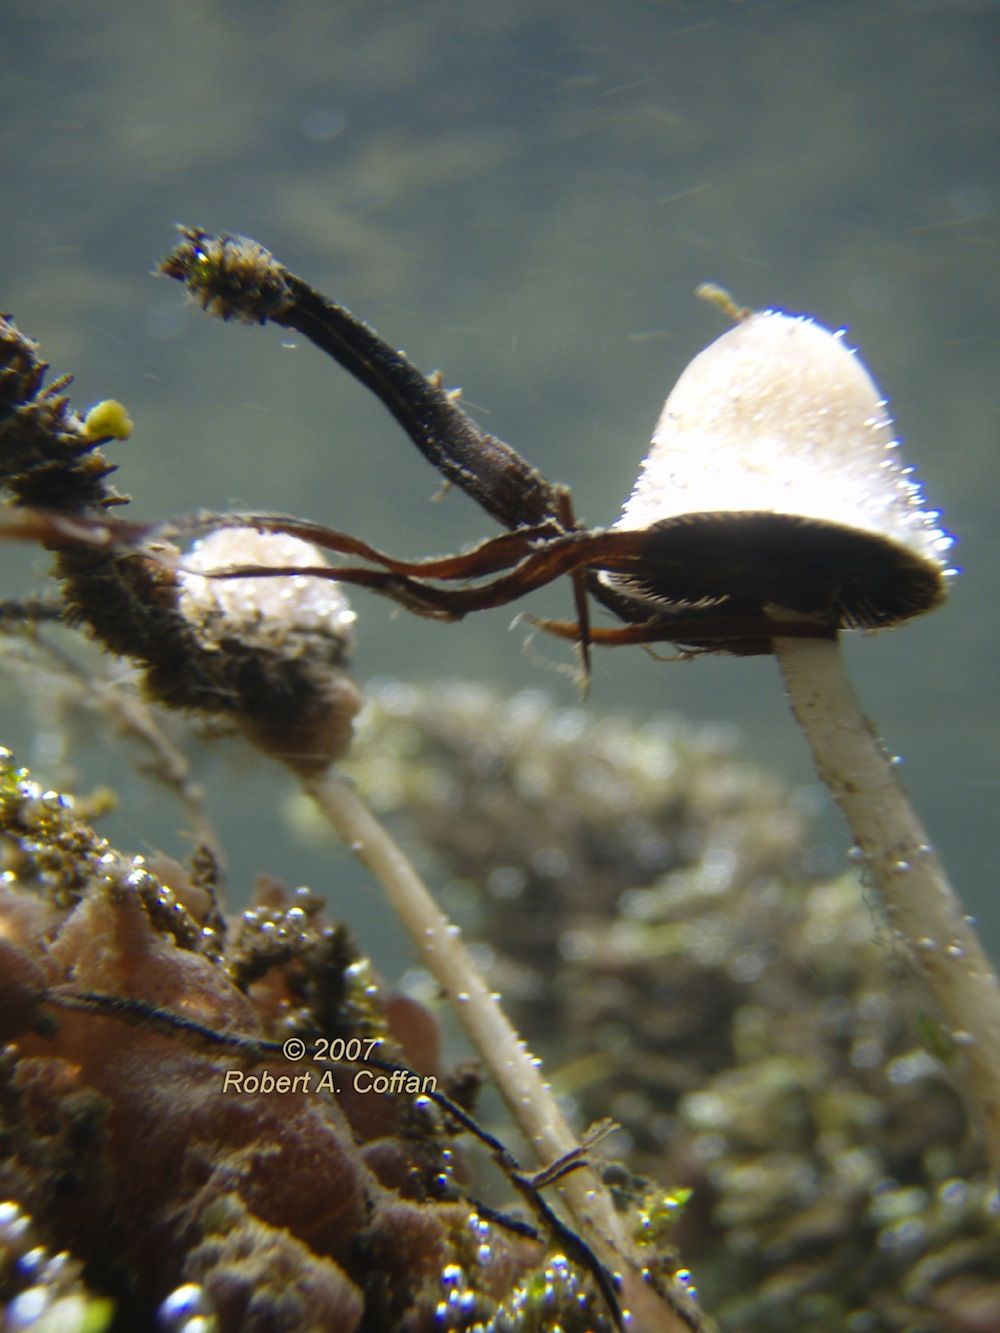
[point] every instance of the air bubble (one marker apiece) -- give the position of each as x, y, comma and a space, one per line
183, 1304
954, 1192
56, 1267
29, 1264
686, 1278
15, 1230
27, 1308
199, 1323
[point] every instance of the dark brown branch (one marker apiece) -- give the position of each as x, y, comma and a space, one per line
234, 277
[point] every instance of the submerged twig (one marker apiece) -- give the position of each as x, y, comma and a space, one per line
236, 278
510, 1065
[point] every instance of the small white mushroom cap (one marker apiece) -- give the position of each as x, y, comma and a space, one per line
298, 612
774, 478
274, 646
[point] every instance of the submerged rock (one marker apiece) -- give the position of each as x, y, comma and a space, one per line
186, 1170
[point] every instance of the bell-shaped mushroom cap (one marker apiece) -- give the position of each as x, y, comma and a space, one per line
774, 480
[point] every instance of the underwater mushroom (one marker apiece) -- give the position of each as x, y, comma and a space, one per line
774, 485
772, 511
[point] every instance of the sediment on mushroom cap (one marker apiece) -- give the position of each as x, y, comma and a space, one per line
774, 479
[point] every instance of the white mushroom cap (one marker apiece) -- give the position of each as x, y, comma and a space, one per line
284, 611
774, 478
273, 647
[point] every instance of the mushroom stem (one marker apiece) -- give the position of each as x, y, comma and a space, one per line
509, 1062
921, 906
443, 952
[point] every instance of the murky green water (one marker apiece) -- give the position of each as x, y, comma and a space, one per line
525, 195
